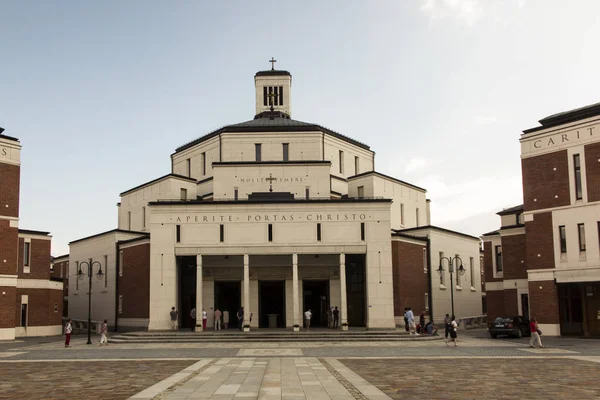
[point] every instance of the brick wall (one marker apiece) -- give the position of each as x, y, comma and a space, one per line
539, 242
543, 303
592, 170
40, 307
545, 177
488, 265
9, 237
511, 302
134, 285
410, 283
39, 263
495, 304
514, 253
10, 176
7, 306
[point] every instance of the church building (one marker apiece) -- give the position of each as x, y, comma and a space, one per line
277, 216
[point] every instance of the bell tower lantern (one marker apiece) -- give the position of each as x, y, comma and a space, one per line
273, 90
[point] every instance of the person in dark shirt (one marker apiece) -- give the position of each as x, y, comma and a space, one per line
336, 317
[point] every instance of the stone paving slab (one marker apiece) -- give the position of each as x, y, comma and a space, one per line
464, 379
90, 380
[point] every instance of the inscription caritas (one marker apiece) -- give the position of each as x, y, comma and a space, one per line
199, 219
565, 137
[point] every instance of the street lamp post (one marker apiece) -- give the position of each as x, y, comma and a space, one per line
452, 261
90, 265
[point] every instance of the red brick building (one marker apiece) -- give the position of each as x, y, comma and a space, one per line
30, 301
552, 241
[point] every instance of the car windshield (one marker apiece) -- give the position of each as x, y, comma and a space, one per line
501, 320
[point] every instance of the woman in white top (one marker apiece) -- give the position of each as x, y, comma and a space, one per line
453, 329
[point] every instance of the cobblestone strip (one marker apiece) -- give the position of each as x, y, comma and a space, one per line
345, 382
166, 386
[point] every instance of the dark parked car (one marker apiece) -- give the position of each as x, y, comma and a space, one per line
510, 326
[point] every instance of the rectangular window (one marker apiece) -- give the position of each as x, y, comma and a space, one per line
577, 167
562, 232
257, 152
472, 271
105, 271
144, 217
221, 233
401, 213
362, 231
361, 192
356, 165
26, 254
341, 161
128, 220
120, 304
183, 194
23, 314
121, 266
286, 151
581, 232
235, 194
203, 164
417, 215
280, 95
265, 96
62, 270
270, 232
307, 193
76, 272
442, 277
498, 251
276, 93
426, 301
178, 233
318, 232
456, 269
188, 167
55, 307
271, 95
425, 260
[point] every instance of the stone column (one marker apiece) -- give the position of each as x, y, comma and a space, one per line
295, 299
343, 307
246, 290
198, 293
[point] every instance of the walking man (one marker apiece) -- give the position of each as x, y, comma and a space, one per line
535, 333
307, 317
217, 319
68, 330
411, 322
104, 333
193, 316
174, 314
336, 317
447, 322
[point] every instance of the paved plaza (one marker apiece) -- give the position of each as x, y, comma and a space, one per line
479, 368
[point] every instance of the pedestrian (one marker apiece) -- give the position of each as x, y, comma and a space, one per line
422, 323
104, 333
406, 319
174, 314
193, 316
240, 317
307, 317
535, 333
225, 319
218, 319
204, 319
447, 325
453, 333
412, 327
68, 330
330, 318
336, 317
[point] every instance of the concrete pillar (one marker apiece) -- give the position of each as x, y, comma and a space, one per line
295, 299
343, 307
198, 293
246, 290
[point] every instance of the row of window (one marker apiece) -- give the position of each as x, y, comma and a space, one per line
341, 163
272, 95
269, 233
456, 268
188, 165
562, 233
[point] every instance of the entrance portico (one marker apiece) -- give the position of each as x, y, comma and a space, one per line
259, 276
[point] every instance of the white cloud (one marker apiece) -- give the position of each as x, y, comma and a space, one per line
416, 163
458, 201
467, 11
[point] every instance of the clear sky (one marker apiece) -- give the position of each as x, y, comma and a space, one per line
101, 93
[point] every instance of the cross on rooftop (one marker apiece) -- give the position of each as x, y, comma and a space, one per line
272, 61
270, 179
